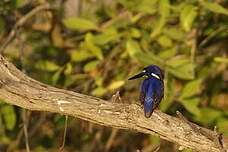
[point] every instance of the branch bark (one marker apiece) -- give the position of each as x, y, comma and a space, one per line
18, 89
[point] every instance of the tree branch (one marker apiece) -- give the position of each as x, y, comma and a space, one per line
18, 89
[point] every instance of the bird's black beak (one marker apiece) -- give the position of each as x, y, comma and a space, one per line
137, 76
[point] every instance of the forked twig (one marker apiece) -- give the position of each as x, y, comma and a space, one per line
20, 23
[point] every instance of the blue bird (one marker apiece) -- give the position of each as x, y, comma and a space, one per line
152, 88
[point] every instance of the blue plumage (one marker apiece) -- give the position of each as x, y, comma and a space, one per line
152, 88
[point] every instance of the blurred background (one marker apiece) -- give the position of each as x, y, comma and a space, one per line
94, 46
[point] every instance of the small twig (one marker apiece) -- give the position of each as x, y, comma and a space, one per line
39, 122
220, 29
20, 23
156, 149
152, 148
25, 119
64, 134
110, 139
25, 113
96, 140
116, 98
15, 143
122, 15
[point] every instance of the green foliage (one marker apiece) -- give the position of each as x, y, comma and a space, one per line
208, 115
93, 48
115, 85
181, 67
214, 7
187, 16
80, 55
79, 24
190, 89
8, 116
46, 66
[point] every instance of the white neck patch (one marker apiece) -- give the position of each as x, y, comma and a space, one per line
155, 75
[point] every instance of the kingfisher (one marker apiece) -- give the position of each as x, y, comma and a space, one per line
152, 88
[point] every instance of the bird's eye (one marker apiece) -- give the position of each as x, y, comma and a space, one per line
144, 71
155, 75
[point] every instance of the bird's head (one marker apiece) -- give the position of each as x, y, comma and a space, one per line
151, 71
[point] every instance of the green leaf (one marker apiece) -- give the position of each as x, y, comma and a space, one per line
119, 21
2, 26
68, 69
191, 89
133, 48
71, 79
46, 66
92, 47
191, 104
214, 7
187, 150
175, 34
164, 11
208, 115
100, 91
147, 59
80, 55
91, 66
136, 18
220, 59
20, 3
164, 8
9, 116
147, 6
79, 24
168, 53
135, 33
181, 67
5, 139
99, 81
185, 71
116, 85
164, 41
222, 125
154, 139
56, 76
137, 55
178, 61
108, 35
187, 16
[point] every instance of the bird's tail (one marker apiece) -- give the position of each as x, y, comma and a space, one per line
148, 108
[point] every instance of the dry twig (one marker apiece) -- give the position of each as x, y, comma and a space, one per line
25, 118
64, 134
20, 23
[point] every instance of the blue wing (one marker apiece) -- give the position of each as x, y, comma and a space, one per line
151, 94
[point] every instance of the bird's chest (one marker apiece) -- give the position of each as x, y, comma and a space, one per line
151, 85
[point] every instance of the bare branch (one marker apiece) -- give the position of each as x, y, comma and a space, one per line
18, 89
20, 23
